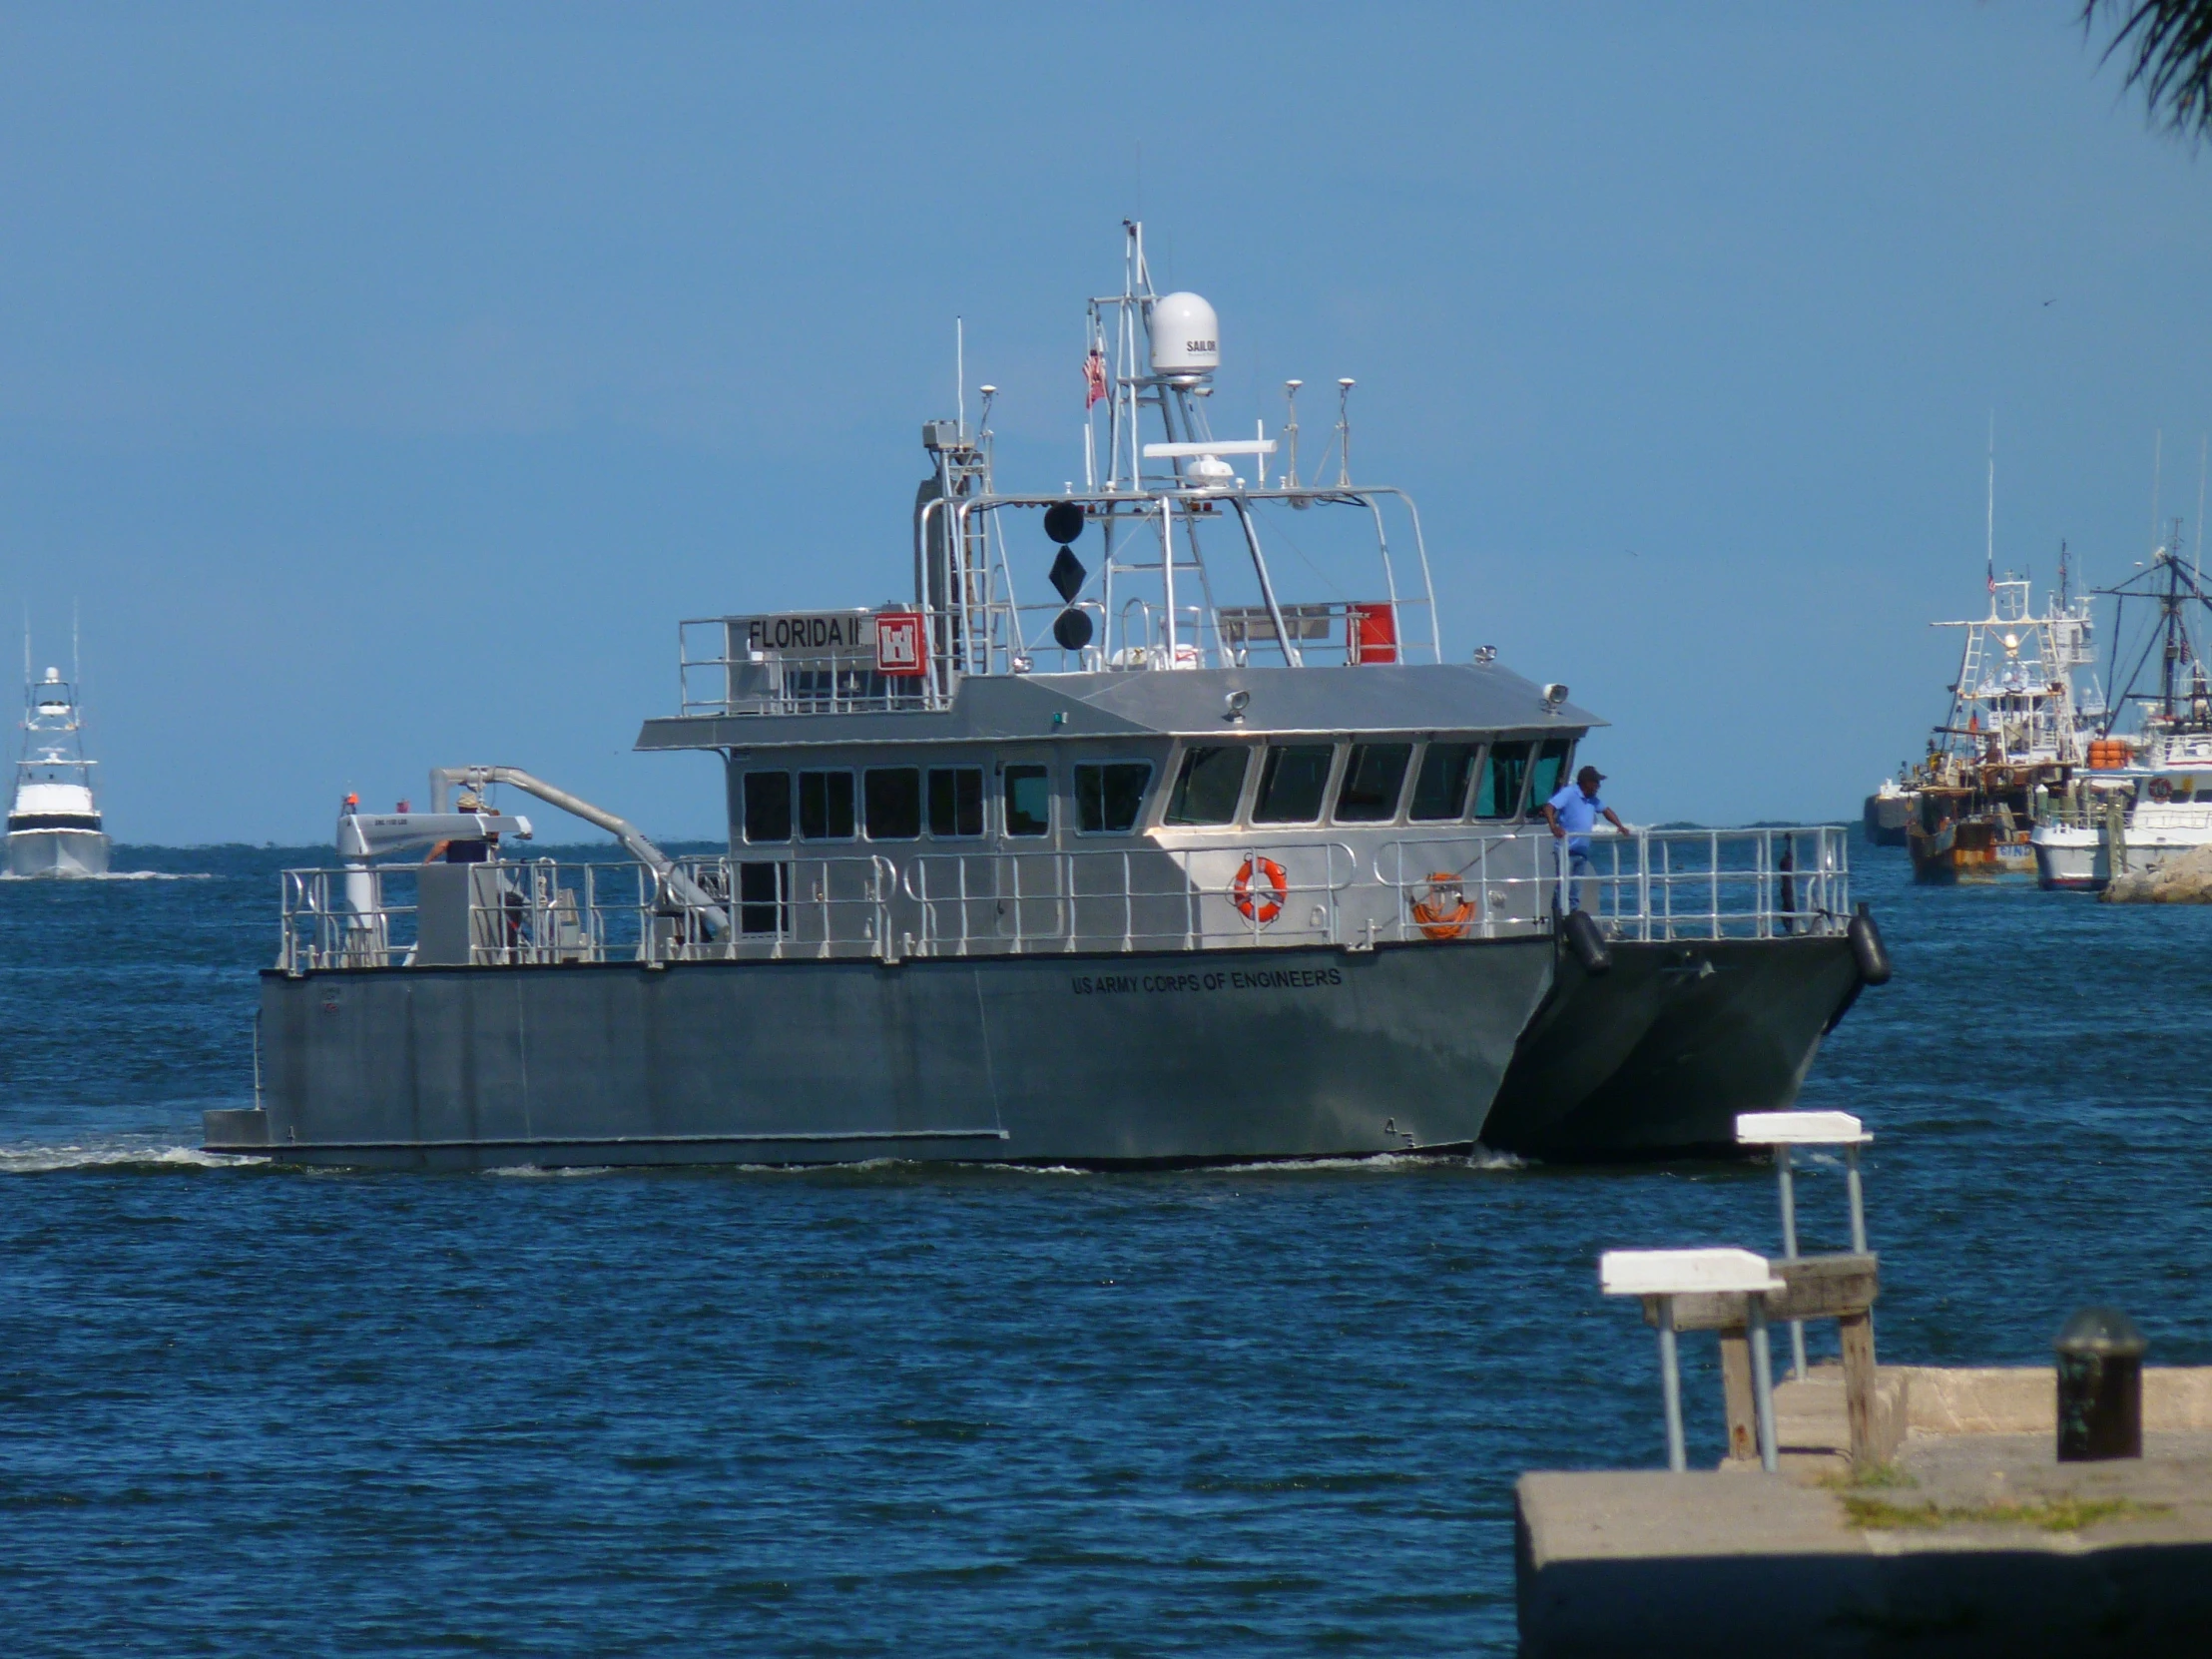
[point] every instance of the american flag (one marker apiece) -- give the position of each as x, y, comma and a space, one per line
1094, 377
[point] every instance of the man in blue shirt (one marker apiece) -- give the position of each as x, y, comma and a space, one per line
1572, 813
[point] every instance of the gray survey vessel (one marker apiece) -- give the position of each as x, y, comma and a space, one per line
1172, 869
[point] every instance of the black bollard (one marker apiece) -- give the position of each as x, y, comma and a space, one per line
2101, 1387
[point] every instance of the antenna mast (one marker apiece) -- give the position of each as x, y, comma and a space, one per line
2204, 450
2157, 459
1990, 553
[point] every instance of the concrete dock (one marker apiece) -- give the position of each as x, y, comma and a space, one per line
1971, 1539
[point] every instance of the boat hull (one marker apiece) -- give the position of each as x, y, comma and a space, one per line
1886, 817
1657, 1055
2081, 860
1063, 1059
1968, 849
2070, 861
57, 853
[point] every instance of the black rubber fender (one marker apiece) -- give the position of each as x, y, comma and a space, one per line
1588, 944
1868, 951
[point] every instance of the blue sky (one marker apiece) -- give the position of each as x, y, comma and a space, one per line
387, 382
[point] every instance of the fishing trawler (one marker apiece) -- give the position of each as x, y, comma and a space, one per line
1173, 865
2016, 730
2144, 799
54, 824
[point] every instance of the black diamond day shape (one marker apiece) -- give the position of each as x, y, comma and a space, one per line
1067, 575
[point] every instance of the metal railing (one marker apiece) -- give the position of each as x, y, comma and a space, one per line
718, 675
1658, 885
1649, 885
544, 912
1137, 899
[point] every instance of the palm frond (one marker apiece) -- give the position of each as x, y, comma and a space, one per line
2167, 46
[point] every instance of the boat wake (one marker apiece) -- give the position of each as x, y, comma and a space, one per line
1483, 1159
117, 1152
549, 1172
116, 875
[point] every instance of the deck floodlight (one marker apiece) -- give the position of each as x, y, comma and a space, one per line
1235, 704
1554, 695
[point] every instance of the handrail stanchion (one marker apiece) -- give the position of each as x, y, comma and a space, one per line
1643, 885
1712, 868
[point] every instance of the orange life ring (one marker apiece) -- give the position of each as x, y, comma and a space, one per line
2161, 790
1435, 913
1264, 909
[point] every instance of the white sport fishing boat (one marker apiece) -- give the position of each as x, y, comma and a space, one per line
54, 824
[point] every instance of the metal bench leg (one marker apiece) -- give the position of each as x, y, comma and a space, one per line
1670, 1387
1762, 1384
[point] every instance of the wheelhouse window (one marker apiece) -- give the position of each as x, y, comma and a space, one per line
1375, 773
826, 807
1550, 768
1440, 786
1109, 798
1292, 782
892, 796
1498, 791
1209, 786
767, 805
956, 801
1028, 800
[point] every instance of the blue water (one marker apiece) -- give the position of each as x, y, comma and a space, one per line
907, 1411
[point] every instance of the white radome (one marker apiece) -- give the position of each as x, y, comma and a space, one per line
1186, 335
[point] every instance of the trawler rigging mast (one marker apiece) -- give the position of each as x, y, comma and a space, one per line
2182, 701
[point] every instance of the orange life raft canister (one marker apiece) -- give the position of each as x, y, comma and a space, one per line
1442, 909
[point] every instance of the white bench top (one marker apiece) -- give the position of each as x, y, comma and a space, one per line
1801, 1129
1683, 1272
